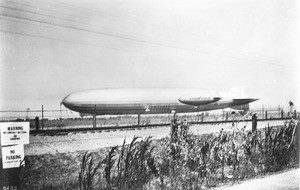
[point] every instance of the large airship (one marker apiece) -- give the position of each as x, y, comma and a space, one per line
119, 101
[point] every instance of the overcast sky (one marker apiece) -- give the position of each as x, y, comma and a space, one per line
52, 48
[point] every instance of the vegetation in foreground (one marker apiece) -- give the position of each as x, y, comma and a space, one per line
186, 162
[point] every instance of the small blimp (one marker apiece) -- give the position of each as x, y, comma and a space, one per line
120, 101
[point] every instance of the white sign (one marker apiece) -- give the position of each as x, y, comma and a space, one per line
14, 133
12, 156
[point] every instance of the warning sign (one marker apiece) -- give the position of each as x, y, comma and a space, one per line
12, 156
14, 133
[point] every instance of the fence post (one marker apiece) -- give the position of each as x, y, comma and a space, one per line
266, 114
139, 119
94, 121
37, 123
254, 123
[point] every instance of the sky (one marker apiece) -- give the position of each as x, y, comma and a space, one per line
50, 49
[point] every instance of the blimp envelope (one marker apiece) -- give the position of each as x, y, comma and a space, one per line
13, 133
12, 156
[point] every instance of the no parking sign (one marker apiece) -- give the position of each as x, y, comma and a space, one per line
12, 156
13, 136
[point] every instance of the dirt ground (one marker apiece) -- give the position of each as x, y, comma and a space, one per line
280, 181
94, 140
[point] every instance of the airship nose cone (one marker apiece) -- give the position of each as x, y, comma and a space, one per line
66, 101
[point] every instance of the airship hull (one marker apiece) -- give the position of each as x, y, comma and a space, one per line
147, 101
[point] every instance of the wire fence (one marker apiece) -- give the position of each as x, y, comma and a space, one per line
57, 119
9, 115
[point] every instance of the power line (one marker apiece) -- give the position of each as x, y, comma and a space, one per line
84, 23
85, 30
64, 19
49, 38
137, 21
97, 11
126, 38
143, 23
131, 39
46, 15
56, 39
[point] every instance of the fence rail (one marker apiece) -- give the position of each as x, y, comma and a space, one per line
67, 114
58, 119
